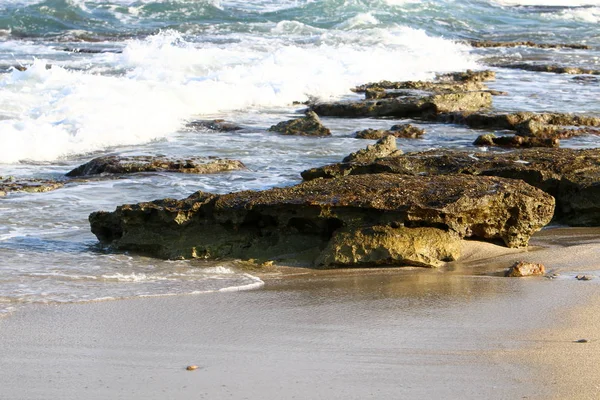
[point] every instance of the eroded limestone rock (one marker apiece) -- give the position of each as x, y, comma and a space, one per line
298, 223
408, 106
571, 176
134, 164
421, 247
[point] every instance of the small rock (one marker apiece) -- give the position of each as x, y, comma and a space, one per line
309, 125
584, 277
192, 367
522, 268
384, 147
581, 341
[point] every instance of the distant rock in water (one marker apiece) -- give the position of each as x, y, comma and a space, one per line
348, 221
406, 131
11, 184
218, 125
489, 43
418, 106
134, 164
556, 69
489, 139
309, 125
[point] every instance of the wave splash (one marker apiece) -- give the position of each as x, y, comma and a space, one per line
148, 91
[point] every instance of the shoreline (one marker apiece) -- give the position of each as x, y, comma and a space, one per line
385, 333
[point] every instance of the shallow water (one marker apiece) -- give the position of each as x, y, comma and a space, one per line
151, 66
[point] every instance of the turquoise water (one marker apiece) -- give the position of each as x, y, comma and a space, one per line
145, 68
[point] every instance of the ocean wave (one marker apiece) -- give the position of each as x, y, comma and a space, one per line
548, 3
57, 112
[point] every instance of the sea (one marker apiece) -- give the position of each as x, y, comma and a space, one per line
85, 78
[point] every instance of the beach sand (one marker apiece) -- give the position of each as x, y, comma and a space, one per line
458, 333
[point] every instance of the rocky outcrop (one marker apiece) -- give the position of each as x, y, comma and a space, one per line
406, 131
309, 125
383, 148
133, 164
444, 83
11, 184
354, 220
571, 176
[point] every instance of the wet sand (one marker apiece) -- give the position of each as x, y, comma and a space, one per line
462, 332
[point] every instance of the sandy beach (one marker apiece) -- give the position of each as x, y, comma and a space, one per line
462, 332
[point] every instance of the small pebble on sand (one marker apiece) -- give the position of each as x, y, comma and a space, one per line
192, 367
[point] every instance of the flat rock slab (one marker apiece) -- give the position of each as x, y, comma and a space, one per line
299, 222
571, 176
407, 106
134, 164
11, 184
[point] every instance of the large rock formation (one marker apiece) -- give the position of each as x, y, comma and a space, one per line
354, 220
133, 164
571, 176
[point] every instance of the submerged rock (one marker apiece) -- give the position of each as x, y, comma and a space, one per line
218, 125
339, 221
571, 176
522, 268
489, 43
556, 69
134, 164
11, 184
309, 125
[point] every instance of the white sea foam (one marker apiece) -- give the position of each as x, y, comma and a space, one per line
255, 284
589, 15
360, 20
57, 112
218, 270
